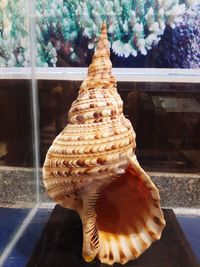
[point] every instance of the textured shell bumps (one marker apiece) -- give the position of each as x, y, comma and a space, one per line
91, 167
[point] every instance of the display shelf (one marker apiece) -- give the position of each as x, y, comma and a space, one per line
121, 74
13, 219
188, 219
61, 241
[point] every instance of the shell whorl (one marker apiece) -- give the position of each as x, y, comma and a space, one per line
98, 138
100, 70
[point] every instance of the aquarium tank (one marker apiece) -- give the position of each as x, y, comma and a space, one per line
46, 48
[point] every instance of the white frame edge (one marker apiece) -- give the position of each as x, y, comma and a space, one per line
121, 74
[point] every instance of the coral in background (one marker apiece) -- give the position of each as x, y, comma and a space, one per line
142, 33
180, 47
189, 35
133, 26
13, 34
56, 31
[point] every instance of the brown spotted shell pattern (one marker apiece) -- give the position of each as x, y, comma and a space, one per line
91, 168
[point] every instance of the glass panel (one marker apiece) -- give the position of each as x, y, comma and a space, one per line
17, 183
17, 156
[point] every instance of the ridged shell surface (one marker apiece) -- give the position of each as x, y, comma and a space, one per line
91, 165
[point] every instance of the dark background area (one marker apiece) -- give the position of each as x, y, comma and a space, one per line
167, 139
16, 142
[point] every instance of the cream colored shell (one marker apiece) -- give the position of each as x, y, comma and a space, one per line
91, 167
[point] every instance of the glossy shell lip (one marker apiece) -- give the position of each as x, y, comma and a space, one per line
128, 216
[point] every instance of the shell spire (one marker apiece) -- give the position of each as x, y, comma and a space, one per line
91, 167
100, 70
101, 63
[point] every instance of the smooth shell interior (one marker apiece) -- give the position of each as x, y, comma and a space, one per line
129, 218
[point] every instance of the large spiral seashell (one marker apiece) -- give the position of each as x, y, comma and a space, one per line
91, 167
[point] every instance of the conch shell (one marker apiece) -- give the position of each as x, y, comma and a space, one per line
91, 168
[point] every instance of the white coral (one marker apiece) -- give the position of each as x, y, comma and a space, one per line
174, 15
